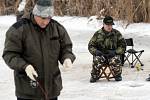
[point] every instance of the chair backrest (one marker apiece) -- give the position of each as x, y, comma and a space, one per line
129, 42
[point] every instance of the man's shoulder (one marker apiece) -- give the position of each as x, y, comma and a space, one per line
99, 32
56, 23
57, 27
116, 31
20, 23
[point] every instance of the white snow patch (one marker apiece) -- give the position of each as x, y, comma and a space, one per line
76, 81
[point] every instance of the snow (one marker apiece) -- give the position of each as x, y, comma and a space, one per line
76, 80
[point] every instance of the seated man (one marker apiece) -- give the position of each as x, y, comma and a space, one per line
105, 45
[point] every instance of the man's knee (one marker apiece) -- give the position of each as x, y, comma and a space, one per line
98, 60
115, 62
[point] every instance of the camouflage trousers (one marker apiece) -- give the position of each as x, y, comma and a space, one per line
98, 62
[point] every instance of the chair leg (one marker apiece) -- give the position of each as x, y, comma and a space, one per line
107, 76
137, 59
111, 72
127, 59
103, 69
132, 64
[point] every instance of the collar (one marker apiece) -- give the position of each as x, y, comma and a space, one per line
37, 26
106, 32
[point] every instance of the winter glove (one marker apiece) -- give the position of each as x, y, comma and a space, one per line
31, 73
67, 63
99, 53
111, 53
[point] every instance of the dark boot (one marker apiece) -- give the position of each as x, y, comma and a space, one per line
148, 79
118, 77
94, 75
92, 80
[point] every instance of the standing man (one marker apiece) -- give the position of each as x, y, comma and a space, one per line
33, 47
104, 46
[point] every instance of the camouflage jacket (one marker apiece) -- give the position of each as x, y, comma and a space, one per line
104, 41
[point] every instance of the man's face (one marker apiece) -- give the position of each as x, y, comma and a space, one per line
42, 22
107, 28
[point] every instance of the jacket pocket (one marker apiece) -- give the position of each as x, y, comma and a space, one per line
57, 81
23, 86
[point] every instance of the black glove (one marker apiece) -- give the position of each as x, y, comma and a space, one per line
99, 53
111, 53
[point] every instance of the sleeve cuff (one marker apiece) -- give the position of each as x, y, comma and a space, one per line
70, 56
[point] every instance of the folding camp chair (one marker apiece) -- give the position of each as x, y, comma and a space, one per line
135, 55
107, 72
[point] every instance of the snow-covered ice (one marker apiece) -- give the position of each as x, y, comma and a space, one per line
76, 80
